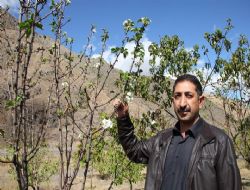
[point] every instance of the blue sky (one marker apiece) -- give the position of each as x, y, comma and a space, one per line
189, 19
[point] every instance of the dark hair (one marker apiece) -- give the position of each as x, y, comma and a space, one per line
191, 78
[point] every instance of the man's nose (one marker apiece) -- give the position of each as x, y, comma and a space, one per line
183, 102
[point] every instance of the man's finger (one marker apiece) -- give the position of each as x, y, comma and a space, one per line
117, 104
116, 101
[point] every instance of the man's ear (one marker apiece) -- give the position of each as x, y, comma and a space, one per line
201, 101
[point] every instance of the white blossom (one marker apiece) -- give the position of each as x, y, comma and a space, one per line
129, 97
80, 136
98, 64
67, 2
65, 84
145, 20
107, 123
153, 122
93, 30
132, 83
126, 22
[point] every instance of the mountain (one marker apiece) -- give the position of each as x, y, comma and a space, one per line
7, 20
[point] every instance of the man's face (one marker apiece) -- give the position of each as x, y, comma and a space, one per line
187, 102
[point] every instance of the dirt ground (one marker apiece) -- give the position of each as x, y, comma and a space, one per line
96, 183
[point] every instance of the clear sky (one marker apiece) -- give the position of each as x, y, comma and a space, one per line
189, 19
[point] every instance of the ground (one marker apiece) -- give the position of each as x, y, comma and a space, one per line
96, 183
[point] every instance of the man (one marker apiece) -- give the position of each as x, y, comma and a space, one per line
193, 155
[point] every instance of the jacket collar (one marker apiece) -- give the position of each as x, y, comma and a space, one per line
194, 130
206, 132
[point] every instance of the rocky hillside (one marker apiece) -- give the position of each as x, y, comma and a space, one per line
7, 20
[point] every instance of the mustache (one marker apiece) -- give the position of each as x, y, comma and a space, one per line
184, 109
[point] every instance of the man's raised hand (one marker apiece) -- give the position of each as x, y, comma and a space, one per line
120, 108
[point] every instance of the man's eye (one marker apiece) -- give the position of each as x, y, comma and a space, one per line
177, 96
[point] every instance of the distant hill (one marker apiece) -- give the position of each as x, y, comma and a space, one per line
8, 20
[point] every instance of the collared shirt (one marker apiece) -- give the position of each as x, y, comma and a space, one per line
178, 157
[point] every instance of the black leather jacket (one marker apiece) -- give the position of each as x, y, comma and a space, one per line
212, 165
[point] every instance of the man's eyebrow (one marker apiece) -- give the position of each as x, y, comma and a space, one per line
188, 92
177, 92
183, 92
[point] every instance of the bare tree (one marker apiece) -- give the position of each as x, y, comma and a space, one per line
29, 124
